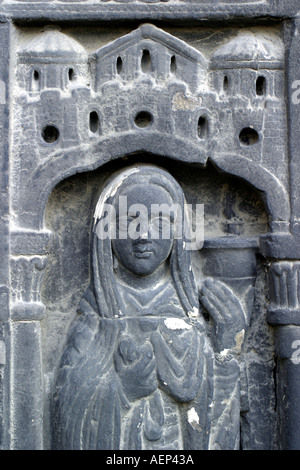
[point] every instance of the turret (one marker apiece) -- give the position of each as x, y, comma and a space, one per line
52, 60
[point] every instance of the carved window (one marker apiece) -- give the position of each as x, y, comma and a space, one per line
50, 134
202, 127
35, 80
71, 74
261, 86
173, 64
146, 62
248, 136
94, 122
119, 65
225, 84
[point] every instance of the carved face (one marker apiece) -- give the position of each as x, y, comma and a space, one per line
146, 235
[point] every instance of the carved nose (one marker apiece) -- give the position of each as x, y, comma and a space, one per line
144, 235
143, 238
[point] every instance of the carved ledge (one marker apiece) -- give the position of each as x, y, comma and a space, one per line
30, 242
28, 311
26, 278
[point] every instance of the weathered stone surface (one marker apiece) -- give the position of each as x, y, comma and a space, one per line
206, 95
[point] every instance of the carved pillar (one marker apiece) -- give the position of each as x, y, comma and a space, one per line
27, 311
284, 314
283, 248
4, 233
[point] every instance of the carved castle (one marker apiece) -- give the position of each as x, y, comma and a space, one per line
232, 103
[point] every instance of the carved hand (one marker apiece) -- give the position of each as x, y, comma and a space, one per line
135, 366
227, 314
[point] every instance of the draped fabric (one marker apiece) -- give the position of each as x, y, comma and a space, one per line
122, 382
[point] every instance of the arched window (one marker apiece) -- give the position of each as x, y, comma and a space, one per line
94, 122
35, 80
119, 65
173, 64
202, 127
261, 86
71, 74
146, 61
225, 84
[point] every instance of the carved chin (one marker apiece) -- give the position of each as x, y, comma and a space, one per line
144, 265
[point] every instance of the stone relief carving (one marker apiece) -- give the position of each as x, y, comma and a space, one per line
284, 292
142, 368
168, 378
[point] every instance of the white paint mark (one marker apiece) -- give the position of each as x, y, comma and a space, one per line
225, 352
110, 191
193, 313
2, 92
2, 353
193, 417
177, 324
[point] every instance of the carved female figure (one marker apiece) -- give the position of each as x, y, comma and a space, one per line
142, 368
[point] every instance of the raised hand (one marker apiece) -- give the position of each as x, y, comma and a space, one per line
227, 313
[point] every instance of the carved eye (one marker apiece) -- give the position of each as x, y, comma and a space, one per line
161, 224
122, 223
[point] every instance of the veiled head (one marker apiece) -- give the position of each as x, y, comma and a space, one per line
139, 220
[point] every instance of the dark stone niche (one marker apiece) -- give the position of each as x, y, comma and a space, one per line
232, 208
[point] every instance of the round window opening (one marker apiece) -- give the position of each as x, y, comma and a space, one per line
248, 136
143, 119
50, 134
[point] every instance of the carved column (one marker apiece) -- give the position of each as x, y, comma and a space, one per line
27, 265
283, 249
4, 233
284, 314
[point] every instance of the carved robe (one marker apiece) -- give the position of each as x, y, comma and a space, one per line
144, 380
